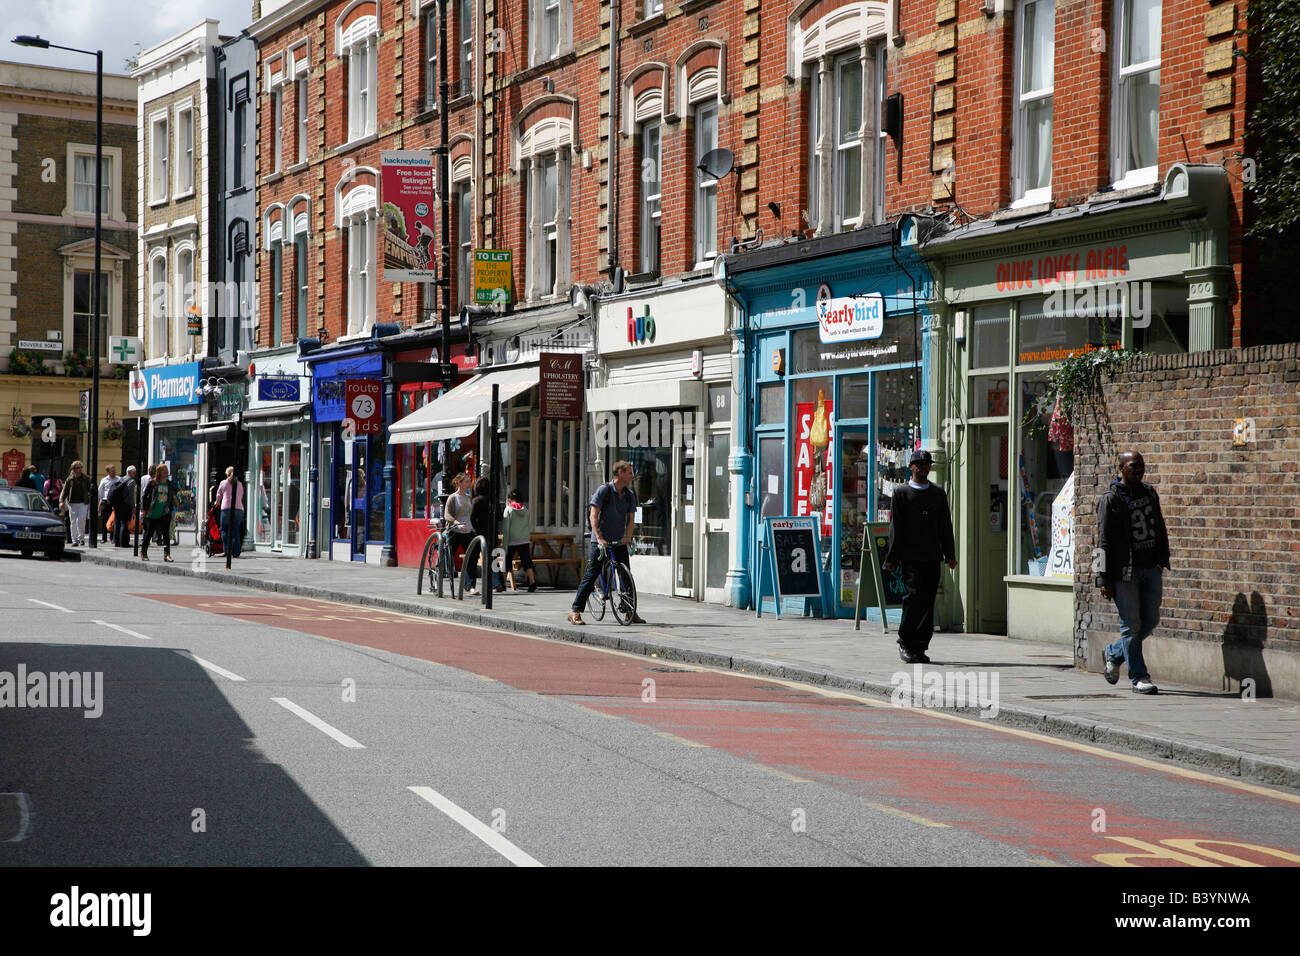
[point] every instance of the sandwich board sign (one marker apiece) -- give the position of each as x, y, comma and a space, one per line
790, 565
886, 588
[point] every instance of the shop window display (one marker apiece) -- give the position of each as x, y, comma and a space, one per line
176, 448
652, 483
1046, 463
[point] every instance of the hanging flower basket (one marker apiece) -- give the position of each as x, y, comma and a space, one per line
113, 431
19, 428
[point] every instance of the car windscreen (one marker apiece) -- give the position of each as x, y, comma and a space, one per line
21, 499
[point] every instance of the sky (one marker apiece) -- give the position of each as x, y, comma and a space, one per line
118, 27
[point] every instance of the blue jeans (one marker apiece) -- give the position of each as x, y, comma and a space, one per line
594, 564
232, 531
1138, 604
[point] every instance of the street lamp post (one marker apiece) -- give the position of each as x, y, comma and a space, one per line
43, 44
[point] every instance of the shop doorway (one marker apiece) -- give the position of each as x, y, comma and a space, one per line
989, 519
357, 497
684, 520
719, 525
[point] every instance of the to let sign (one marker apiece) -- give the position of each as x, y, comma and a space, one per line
362, 397
561, 386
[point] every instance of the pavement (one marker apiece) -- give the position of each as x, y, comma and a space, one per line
1038, 687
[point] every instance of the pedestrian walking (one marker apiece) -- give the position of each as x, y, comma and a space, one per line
611, 514
122, 498
920, 538
28, 480
516, 534
77, 496
156, 507
230, 496
105, 509
1132, 553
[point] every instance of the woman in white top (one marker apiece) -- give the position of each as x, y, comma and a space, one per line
230, 498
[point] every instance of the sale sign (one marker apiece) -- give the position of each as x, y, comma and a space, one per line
362, 408
406, 214
814, 468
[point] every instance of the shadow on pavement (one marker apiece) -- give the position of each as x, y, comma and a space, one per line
126, 788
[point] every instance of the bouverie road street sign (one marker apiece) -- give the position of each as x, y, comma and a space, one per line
123, 350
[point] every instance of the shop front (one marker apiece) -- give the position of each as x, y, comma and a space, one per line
422, 467
1150, 274
33, 402
835, 392
278, 424
351, 499
172, 396
664, 403
542, 458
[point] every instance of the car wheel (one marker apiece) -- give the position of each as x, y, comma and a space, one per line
55, 554
26, 552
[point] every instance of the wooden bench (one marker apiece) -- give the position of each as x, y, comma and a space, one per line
555, 552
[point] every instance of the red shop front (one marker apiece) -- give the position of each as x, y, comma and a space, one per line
421, 467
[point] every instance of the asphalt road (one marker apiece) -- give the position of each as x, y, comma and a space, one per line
242, 729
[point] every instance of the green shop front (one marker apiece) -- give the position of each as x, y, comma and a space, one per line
1148, 272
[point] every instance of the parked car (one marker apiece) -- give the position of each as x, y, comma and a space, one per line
28, 525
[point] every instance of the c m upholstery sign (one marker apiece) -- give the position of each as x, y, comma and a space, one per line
167, 386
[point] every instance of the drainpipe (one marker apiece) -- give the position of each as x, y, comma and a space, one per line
615, 100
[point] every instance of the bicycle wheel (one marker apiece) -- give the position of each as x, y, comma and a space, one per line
598, 598
444, 577
427, 559
623, 597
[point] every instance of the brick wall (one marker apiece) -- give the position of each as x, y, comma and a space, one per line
1232, 600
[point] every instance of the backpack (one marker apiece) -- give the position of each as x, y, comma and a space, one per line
119, 494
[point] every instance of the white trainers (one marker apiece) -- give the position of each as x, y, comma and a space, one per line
1145, 687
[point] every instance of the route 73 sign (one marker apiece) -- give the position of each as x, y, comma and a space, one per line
362, 409
123, 350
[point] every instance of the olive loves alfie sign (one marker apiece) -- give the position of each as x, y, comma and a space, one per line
561, 386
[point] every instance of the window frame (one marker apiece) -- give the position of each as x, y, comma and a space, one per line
705, 205
300, 91
1023, 103
1122, 176
465, 46
650, 245
359, 49
277, 291
159, 158
542, 14
105, 187
106, 315
158, 300
239, 141
842, 145
429, 26
360, 232
301, 276
463, 197
277, 129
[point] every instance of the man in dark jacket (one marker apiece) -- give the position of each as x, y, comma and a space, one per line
1132, 548
920, 536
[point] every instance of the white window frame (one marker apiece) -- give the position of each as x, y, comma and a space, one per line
159, 158
705, 228
182, 253
300, 91
1125, 177
359, 49
652, 8
817, 52
359, 214
429, 41
847, 141
158, 300
550, 137
465, 46
183, 164
1024, 102
462, 192
553, 17
277, 129
651, 196
302, 282
112, 203
240, 177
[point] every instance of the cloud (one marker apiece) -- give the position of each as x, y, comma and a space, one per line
118, 27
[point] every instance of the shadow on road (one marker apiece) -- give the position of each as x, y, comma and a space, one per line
167, 775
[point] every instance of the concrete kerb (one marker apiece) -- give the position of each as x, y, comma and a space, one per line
1226, 761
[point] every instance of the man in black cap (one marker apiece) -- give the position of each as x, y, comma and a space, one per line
920, 536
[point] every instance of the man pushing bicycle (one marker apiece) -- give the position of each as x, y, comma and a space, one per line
612, 513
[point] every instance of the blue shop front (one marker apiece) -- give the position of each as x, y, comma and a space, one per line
350, 493
832, 335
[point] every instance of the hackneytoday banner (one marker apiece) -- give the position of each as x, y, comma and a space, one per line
406, 215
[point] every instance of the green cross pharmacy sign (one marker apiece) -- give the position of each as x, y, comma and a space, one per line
123, 350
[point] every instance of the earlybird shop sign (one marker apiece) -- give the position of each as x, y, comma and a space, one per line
167, 386
846, 319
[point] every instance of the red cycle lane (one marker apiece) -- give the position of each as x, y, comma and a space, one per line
1058, 801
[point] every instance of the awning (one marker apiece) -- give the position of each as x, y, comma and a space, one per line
457, 413
213, 431
276, 415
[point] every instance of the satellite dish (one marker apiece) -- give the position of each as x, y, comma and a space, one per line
717, 163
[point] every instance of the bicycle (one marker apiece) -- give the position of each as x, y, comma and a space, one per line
614, 587
438, 560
